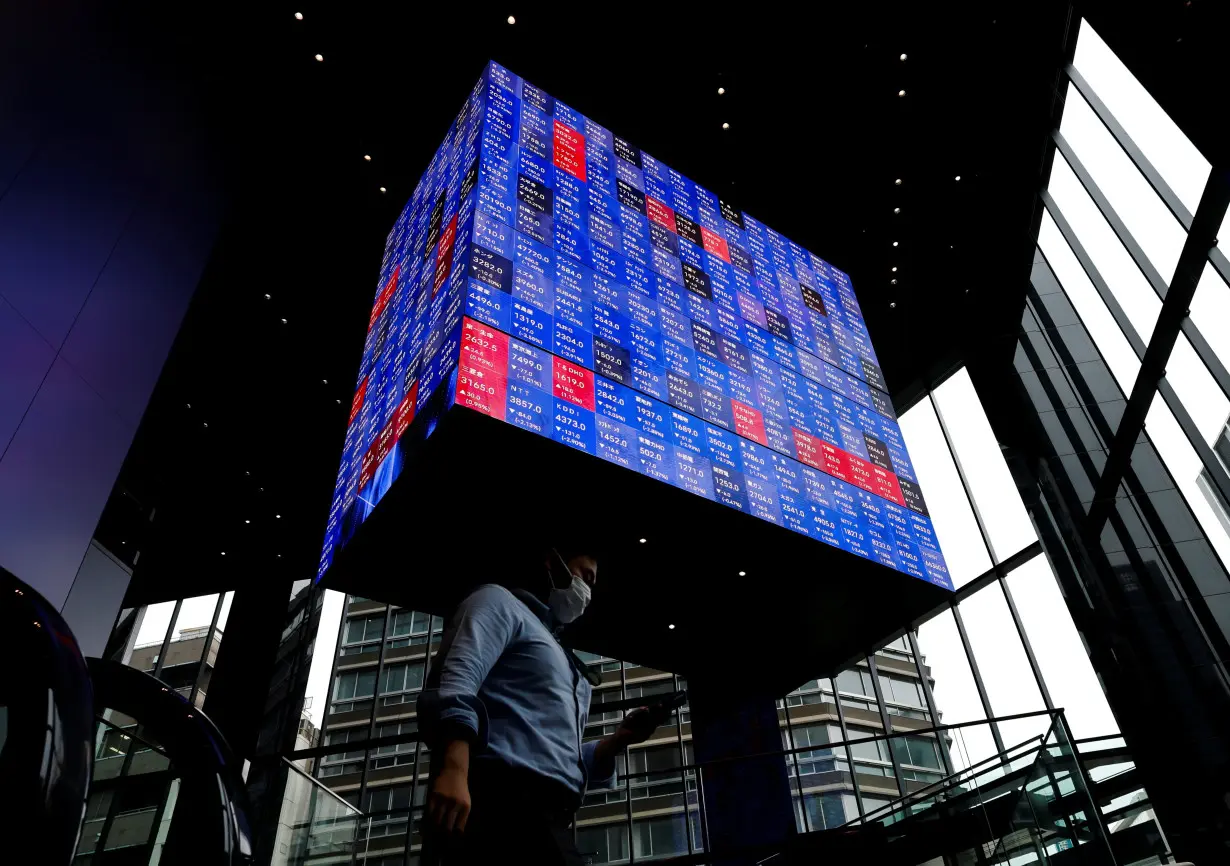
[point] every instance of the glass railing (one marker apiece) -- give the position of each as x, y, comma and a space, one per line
315, 825
1023, 804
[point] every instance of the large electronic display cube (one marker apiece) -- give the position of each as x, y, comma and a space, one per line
549, 275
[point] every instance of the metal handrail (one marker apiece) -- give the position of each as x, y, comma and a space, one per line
785, 753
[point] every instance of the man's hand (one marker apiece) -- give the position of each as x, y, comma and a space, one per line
448, 802
637, 727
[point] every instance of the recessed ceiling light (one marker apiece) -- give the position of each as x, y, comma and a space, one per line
903, 57
512, 19
894, 269
367, 157
896, 210
897, 182
268, 297
958, 177
224, 553
892, 305
643, 540
339, 402
278, 516
324, 381
205, 423
320, 57
721, 90
725, 126
901, 93
283, 321
671, 626
247, 521
382, 189
298, 16
894, 244
893, 281
743, 574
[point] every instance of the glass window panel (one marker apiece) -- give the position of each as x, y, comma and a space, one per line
1118, 270
1107, 336
1184, 464
1057, 646
951, 513
978, 454
155, 622
1150, 128
956, 695
1142, 211
1001, 659
316, 699
1210, 310
851, 681
1197, 390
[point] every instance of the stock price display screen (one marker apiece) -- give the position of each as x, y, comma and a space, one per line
549, 274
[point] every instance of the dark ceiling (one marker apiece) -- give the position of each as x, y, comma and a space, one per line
248, 419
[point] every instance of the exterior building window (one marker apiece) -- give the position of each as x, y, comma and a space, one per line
350, 687
659, 837
401, 683
411, 627
603, 844
363, 634
824, 811
902, 691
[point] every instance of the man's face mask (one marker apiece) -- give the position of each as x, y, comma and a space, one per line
569, 603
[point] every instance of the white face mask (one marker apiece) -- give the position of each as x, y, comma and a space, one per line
569, 603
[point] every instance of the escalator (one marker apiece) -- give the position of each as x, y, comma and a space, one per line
1029, 805
102, 763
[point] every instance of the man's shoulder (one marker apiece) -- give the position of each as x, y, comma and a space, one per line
491, 593
492, 596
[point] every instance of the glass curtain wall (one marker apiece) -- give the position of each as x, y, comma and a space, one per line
133, 792
1122, 356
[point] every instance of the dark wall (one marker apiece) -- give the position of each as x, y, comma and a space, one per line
107, 214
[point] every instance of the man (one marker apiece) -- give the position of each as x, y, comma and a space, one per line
504, 713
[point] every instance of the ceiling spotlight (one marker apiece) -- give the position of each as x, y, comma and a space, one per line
725, 126
894, 244
367, 157
894, 269
205, 423
892, 305
382, 189
721, 90
743, 574
512, 19
224, 553
319, 57
284, 321
893, 282
298, 16
901, 93
247, 521
958, 177
671, 626
897, 182
278, 516
643, 540
896, 210
324, 381
339, 402
268, 297
903, 57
